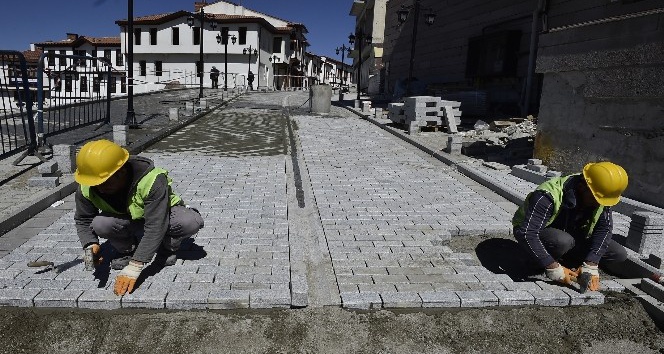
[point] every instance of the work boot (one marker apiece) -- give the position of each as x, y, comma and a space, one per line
165, 257
121, 261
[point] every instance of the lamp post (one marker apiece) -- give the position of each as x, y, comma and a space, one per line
402, 16
249, 51
274, 59
190, 22
343, 50
223, 37
358, 38
130, 119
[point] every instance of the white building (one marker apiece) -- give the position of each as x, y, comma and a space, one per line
167, 48
325, 70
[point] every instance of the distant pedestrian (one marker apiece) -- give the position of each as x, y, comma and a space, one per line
250, 79
214, 76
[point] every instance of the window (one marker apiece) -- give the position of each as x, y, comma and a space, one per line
107, 55
276, 45
84, 84
68, 83
114, 84
137, 36
96, 84
153, 36
123, 84
94, 57
157, 68
243, 35
224, 35
51, 58
63, 60
175, 36
292, 45
80, 62
197, 35
119, 59
141, 66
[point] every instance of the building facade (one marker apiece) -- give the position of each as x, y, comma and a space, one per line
369, 36
167, 48
326, 70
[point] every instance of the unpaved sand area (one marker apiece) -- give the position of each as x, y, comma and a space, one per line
620, 326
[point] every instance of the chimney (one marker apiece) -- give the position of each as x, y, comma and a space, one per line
72, 36
198, 5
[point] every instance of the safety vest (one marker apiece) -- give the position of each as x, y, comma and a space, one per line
554, 187
136, 205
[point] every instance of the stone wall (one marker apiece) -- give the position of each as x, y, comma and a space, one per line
603, 99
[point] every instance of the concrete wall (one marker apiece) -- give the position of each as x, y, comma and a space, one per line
603, 92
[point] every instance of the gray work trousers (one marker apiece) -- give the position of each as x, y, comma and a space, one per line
124, 234
564, 247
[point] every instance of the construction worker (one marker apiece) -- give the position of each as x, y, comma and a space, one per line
129, 201
568, 219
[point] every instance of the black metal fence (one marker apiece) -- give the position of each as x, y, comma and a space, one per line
73, 91
53, 95
17, 126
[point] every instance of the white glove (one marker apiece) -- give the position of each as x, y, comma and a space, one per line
592, 269
126, 280
561, 274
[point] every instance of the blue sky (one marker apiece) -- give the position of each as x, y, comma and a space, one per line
27, 21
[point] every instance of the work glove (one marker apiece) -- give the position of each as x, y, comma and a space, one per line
126, 280
593, 270
96, 253
562, 275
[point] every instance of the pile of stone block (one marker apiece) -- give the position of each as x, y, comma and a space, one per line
419, 111
646, 233
49, 176
534, 171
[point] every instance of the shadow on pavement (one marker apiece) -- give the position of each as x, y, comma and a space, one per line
503, 256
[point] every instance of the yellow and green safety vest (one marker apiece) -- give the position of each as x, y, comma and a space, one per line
136, 205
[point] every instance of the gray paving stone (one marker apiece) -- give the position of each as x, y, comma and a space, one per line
440, 299
18, 297
260, 299
514, 298
57, 298
521, 285
145, 298
194, 278
550, 297
361, 301
228, 299
99, 299
51, 284
478, 298
587, 298
186, 299
611, 285
401, 300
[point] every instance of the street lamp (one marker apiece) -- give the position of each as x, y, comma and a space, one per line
190, 21
402, 16
223, 37
274, 59
343, 50
130, 119
359, 37
250, 51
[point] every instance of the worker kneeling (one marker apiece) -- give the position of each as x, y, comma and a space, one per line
568, 219
129, 201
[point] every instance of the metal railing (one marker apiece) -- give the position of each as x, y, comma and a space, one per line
77, 92
17, 126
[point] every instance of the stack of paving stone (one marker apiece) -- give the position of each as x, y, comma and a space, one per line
421, 111
49, 176
534, 171
646, 233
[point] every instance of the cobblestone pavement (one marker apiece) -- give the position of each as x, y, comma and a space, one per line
342, 213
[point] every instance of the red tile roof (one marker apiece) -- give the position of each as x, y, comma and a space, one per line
106, 41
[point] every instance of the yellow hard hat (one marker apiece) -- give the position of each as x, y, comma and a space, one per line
606, 180
98, 160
